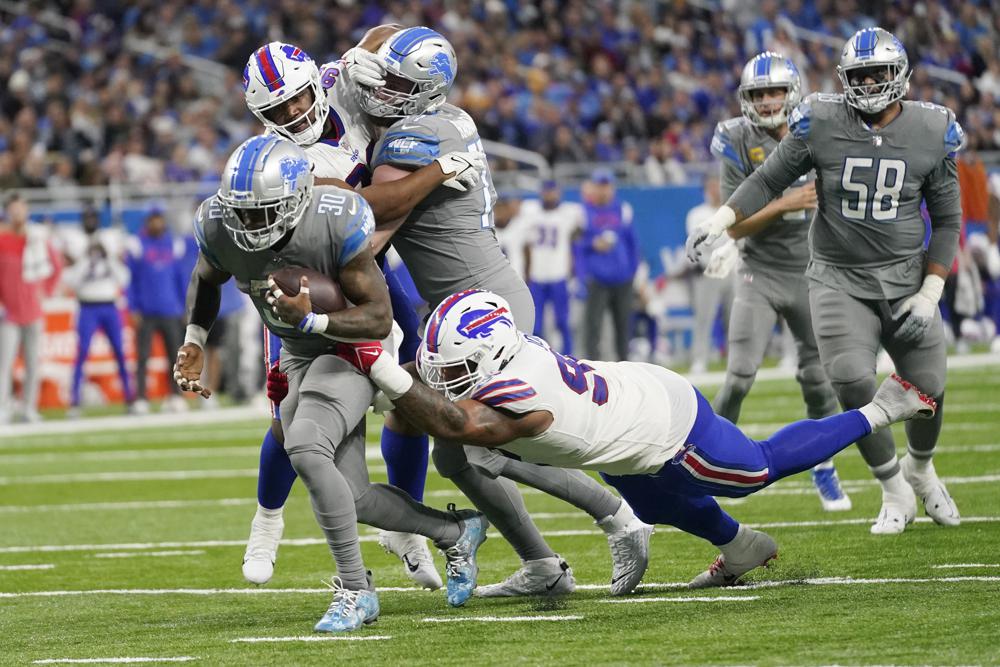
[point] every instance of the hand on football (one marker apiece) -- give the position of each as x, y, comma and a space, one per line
289, 309
187, 369
462, 168
360, 355
803, 198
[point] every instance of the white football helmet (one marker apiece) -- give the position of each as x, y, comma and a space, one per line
420, 66
769, 70
265, 191
277, 72
469, 337
874, 51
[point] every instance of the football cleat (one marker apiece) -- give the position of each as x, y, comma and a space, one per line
545, 576
460, 558
898, 511
629, 556
417, 561
262, 549
759, 551
901, 400
937, 502
349, 610
831, 494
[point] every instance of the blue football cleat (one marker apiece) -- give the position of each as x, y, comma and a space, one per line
349, 609
831, 494
460, 558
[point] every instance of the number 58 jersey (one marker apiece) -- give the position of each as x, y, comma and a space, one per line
621, 418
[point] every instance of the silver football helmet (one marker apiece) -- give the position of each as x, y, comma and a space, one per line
265, 191
277, 72
769, 70
873, 53
420, 67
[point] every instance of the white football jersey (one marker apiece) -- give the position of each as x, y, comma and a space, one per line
550, 233
621, 418
345, 151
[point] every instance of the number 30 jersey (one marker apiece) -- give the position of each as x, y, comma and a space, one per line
621, 418
867, 238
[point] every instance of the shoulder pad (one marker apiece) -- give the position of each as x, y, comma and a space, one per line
500, 391
359, 228
210, 209
726, 134
409, 143
800, 120
954, 137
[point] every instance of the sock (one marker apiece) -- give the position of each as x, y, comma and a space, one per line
269, 514
574, 486
876, 416
275, 476
740, 541
887, 471
825, 465
617, 521
921, 462
895, 486
406, 461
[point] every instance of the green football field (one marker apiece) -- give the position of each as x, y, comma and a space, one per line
128, 544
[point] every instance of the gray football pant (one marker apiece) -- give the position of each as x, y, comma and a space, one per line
759, 299
29, 338
848, 334
323, 421
601, 298
707, 294
485, 476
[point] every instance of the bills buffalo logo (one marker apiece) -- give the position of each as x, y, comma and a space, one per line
294, 53
480, 323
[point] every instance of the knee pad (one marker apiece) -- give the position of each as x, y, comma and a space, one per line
305, 436
855, 394
739, 385
815, 387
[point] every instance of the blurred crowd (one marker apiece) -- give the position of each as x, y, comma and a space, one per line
150, 91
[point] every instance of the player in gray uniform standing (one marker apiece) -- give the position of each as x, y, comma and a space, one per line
448, 243
268, 215
774, 253
871, 281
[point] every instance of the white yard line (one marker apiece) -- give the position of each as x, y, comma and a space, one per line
721, 598
313, 541
106, 456
108, 661
17, 568
311, 638
500, 619
957, 566
154, 554
139, 476
129, 505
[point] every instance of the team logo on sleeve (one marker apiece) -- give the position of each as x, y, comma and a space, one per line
480, 323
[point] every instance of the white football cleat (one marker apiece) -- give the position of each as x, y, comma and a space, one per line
417, 560
545, 576
901, 400
262, 549
757, 549
937, 501
899, 508
629, 556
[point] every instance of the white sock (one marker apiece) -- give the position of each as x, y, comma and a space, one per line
875, 415
921, 465
617, 521
739, 543
895, 486
271, 515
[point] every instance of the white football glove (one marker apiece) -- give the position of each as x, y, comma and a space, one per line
364, 68
723, 260
464, 168
917, 312
708, 232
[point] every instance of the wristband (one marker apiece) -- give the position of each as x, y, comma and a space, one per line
933, 287
196, 335
313, 323
390, 377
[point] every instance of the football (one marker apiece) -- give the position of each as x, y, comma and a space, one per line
324, 293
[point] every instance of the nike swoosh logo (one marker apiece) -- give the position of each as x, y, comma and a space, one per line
549, 587
413, 567
410, 127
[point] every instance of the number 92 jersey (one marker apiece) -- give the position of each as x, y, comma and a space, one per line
621, 418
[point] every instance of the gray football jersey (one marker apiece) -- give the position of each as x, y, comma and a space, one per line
448, 242
337, 227
742, 147
867, 238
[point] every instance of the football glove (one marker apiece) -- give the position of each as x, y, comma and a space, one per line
277, 384
723, 260
708, 232
464, 168
916, 314
364, 68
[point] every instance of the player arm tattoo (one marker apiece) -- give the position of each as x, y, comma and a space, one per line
784, 166
205, 293
364, 286
395, 191
941, 192
467, 421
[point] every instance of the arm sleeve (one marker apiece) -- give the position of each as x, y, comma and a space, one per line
730, 178
944, 204
783, 167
